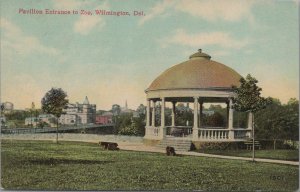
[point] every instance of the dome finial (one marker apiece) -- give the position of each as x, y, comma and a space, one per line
200, 55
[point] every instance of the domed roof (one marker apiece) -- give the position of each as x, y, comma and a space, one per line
197, 73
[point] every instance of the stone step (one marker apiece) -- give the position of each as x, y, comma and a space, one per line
175, 141
179, 145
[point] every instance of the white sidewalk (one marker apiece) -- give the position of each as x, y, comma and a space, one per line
145, 148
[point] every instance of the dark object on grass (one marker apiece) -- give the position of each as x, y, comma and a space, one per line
109, 145
170, 151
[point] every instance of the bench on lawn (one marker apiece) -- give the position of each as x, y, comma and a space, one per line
249, 144
170, 151
109, 145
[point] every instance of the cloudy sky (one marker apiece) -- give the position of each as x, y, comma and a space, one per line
111, 59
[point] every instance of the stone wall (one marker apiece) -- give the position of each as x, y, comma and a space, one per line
94, 138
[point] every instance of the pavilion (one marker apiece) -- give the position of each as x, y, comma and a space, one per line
198, 80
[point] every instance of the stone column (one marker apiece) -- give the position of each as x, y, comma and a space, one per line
173, 113
153, 114
250, 124
227, 114
200, 114
230, 115
162, 119
195, 127
230, 120
148, 113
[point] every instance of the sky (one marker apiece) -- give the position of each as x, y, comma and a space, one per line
112, 59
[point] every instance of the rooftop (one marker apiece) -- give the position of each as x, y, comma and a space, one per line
199, 72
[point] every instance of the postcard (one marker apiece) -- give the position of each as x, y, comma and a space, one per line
160, 95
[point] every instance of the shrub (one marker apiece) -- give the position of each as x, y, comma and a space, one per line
221, 145
129, 130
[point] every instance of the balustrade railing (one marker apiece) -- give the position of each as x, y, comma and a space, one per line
242, 133
213, 134
179, 131
204, 134
152, 131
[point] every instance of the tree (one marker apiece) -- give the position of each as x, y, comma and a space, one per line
248, 99
2, 107
116, 109
129, 129
141, 110
53, 103
279, 122
292, 113
270, 122
183, 115
214, 120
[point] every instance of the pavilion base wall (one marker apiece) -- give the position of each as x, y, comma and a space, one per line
151, 142
218, 145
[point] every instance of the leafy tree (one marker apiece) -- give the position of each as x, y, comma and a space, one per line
140, 124
293, 102
279, 122
53, 103
292, 115
180, 107
183, 115
42, 124
121, 121
17, 115
214, 120
141, 110
131, 129
218, 119
2, 107
157, 114
240, 119
116, 109
270, 122
248, 96
249, 99
126, 124
168, 116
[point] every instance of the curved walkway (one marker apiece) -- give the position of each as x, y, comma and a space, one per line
145, 148
129, 143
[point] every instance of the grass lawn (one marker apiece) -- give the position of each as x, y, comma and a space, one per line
43, 165
281, 154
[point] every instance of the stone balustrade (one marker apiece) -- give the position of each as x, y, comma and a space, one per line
204, 134
213, 134
179, 131
152, 132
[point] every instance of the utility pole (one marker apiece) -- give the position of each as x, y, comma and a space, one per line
253, 140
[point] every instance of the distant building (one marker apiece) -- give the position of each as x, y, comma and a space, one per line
84, 113
48, 118
125, 109
7, 107
105, 118
2, 120
69, 119
31, 121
